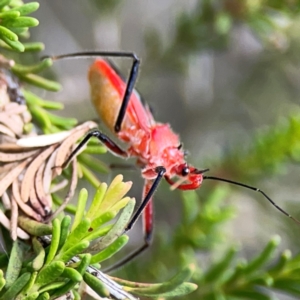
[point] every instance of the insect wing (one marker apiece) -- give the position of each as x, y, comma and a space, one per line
107, 93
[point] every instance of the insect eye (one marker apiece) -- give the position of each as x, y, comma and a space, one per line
185, 171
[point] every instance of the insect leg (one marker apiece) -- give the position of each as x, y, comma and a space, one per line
146, 209
128, 91
256, 190
147, 220
160, 173
130, 82
111, 145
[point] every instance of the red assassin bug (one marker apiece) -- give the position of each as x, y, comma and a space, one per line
157, 148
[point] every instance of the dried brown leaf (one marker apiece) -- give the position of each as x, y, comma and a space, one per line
12, 157
25, 208
26, 117
38, 182
47, 178
6, 168
5, 222
28, 180
43, 140
35, 203
11, 124
14, 108
4, 139
41, 193
10, 176
6, 201
70, 194
5, 130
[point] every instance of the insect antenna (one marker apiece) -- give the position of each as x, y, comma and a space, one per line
88, 54
253, 189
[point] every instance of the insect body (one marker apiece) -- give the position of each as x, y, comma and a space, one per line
157, 148
154, 144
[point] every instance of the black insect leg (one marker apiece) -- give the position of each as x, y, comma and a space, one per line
104, 139
146, 209
130, 82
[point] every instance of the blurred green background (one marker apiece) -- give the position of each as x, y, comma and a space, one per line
225, 75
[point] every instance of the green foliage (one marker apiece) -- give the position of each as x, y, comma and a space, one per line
48, 122
231, 276
200, 226
210, 23
15, 24
254, 279
58, 268
270, 149
174, 287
